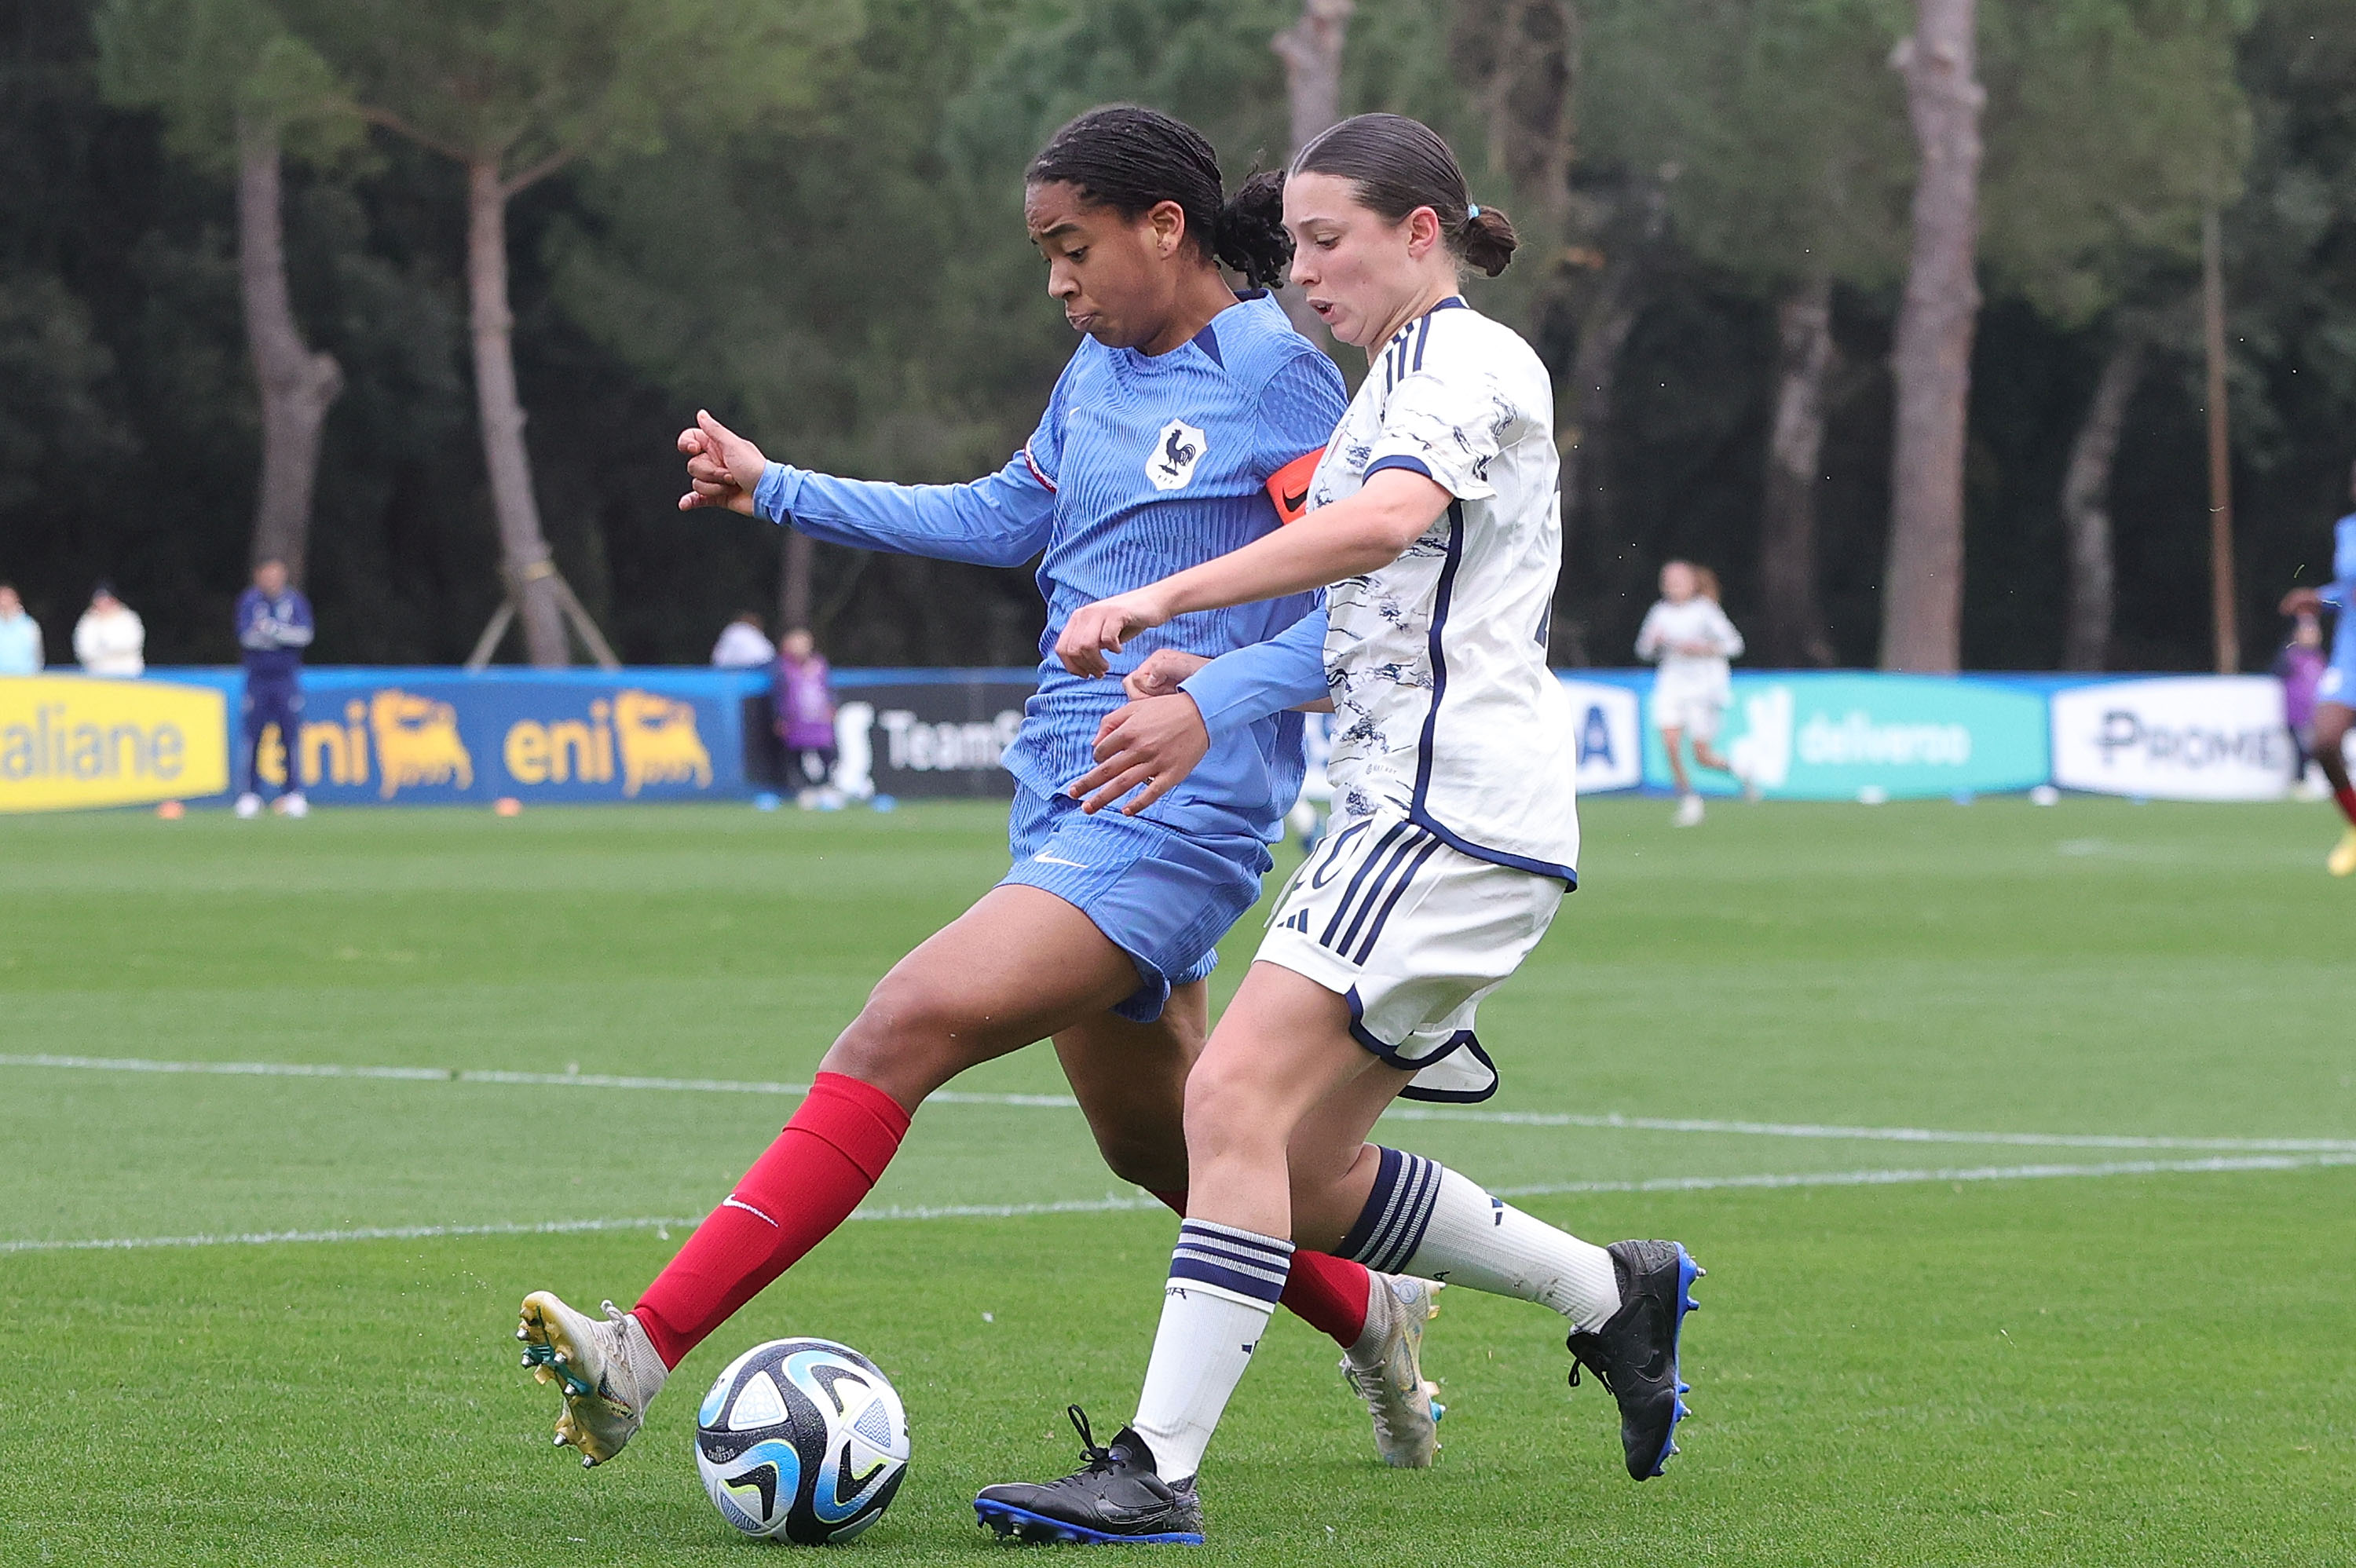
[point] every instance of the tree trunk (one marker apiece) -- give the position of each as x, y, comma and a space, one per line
1923, 588
794, 581
1792, 625
1312, 51
297, 385
2086, 508
1588, 500
523, 548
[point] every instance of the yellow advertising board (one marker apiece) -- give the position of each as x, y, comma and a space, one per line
70, 741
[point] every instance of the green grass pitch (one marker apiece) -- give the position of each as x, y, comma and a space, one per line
2106, 1322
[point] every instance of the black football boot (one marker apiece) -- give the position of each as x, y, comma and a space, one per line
1635, 1354
1116, 1497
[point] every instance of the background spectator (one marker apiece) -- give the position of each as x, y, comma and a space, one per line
273, 627
109, 639
20, 637
806, 721
743, 645
2300, 666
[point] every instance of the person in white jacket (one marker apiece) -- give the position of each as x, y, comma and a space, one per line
109, 639
1689, 640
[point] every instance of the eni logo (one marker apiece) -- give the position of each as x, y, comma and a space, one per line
417, 742
659, 744
652, 738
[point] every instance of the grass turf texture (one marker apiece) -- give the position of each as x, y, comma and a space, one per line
2139, 1368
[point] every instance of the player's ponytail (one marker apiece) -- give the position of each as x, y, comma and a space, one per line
1250, 236
1132, 160
1398, 165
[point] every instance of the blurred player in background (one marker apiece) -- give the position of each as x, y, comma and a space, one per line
1689, 637
743, 643
273, 627
2299, 666
805, 710
2335, 706
1184, 420
1436, 521
110, 639
20, 637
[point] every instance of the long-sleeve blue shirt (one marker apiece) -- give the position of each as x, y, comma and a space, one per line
272, 632
1143, 467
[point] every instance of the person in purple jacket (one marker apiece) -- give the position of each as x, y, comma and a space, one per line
2300, 666
806, 719
273, 627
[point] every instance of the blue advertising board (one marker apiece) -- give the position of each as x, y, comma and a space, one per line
1810, 736
425, 737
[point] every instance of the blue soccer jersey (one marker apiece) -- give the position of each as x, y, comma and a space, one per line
1142, 465
2339, 682
273, 633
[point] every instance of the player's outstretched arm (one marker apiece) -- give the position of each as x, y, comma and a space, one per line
999, 519
1363, 533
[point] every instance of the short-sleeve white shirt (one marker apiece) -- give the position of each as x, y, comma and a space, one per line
1443, 707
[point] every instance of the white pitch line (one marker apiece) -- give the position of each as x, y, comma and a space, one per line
1607, 1121
1122, 1205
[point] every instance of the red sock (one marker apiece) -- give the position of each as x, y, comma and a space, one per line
827, 1158
2347, 799
1327, 1293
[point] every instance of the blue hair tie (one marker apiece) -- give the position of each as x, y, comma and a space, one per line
1471, 211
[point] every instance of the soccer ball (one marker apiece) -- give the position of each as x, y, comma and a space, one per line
801, 1440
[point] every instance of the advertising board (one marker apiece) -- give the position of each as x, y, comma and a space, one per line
2183, 738
424, 737
1804, 736
923, 738
1610, 734
69, 740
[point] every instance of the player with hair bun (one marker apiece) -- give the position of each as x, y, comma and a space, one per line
1163, 445
1435, 525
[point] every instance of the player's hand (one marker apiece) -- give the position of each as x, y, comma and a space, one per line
1102, 627
1160, 673
723, 467
2303, 602
1155, 741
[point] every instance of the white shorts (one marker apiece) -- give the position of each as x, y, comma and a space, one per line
1413, 934
1696, 712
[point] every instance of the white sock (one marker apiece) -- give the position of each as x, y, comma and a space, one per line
1423, 1218
1224, 1283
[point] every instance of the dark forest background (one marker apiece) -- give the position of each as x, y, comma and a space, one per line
848, 278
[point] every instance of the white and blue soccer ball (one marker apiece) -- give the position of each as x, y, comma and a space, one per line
801, 1440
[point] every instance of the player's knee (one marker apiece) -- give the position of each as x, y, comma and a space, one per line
912, 1034
1151, 1158
1226, 1110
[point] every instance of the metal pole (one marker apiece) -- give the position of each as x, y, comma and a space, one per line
2221, 457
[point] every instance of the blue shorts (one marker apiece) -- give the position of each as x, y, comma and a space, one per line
1163, 898
2339, 682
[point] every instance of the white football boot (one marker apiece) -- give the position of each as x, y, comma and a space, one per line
1386, 1366
249, 807
291, 804
608, 1371
1689, 811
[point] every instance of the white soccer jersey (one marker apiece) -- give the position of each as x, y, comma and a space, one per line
1697, 623
1444, 710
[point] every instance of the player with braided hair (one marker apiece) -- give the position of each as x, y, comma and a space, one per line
1163, 445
